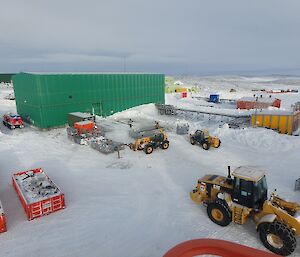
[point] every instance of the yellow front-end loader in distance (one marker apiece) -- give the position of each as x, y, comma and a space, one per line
203, 138
242, 195
149, 143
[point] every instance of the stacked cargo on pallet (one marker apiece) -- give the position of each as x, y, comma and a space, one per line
286, 122
37, 193
2, 220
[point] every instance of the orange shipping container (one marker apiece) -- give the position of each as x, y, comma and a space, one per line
257, 103
84, 126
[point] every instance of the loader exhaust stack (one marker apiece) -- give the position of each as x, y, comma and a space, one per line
229, 178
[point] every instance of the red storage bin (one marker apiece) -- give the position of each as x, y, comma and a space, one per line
37, 193
2, 220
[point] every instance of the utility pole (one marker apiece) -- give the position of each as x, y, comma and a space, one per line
255, 115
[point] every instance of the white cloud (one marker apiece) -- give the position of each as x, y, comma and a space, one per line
169, 35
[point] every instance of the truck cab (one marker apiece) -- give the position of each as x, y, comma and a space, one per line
13, 121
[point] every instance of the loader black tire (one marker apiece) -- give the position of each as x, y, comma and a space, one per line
219, 213
165, 145
205, 146
192, 141
218, 145
148, 149
277, 237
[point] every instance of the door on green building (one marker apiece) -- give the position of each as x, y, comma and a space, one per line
97, 108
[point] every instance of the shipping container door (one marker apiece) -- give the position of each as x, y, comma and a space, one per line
46, 206
57, 203
290, 124
259, 120
275, 122
283, 124
296, 122
97, 108
36, 210
266, 123
253, 118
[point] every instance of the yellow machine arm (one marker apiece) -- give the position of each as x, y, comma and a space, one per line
290, 207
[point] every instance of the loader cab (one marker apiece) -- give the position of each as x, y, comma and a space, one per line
201, 135
158, 137
249, 187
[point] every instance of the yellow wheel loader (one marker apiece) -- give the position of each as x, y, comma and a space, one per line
203, 138
149, 143
242, 195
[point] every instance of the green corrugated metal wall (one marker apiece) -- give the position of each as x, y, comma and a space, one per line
45, 99
6, 77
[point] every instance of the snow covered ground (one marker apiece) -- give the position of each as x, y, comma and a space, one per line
139, 205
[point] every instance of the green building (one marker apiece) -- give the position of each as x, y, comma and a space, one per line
45, 99
6, 77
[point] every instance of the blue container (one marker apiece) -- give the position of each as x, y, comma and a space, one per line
214, 98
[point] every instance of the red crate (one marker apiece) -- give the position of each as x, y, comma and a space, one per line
34, 203
183, 94
2, 220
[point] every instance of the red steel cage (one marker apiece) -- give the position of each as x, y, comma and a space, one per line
37, 193
2, 220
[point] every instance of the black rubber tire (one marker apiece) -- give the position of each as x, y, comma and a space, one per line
140, 148
148, 149
192, 141
283, 232
222, 207
165, 145
219, 144
205, 146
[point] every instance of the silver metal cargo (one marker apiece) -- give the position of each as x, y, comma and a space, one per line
182, 129
79, 116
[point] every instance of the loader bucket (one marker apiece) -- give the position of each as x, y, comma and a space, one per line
196, 196
215, 142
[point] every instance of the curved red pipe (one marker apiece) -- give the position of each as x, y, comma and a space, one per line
217, 247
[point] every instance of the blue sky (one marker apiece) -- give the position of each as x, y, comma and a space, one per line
173, 37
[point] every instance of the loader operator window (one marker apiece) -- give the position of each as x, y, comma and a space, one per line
246, 188
260, 190
243, 192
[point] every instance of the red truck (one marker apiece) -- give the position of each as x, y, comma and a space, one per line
13, 121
